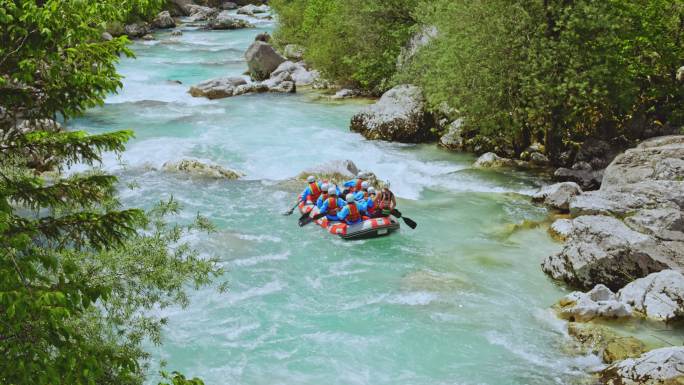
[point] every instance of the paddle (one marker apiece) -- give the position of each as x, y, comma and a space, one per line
307, 220
409, 222
303, 218
291, 210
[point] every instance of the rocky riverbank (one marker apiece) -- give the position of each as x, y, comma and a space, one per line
625, 244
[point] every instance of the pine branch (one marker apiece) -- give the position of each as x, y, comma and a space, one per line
82, 229
73, 147
80, 190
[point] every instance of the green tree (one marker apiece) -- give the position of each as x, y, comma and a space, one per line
554, 71
78, 272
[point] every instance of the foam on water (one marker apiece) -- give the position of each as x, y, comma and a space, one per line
452, 302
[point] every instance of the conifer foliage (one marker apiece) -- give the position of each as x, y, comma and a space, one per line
78, 271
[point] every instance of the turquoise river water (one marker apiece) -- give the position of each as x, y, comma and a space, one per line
459, 300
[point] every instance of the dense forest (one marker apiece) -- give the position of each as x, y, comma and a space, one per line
550, 71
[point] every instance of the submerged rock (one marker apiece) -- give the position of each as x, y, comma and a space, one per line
663, 366
262, 60
217, 88
198, 169
224, 20
400, 115
163, 20
604, 342
559, 195
659, 296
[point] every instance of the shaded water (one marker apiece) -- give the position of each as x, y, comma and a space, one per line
459, 300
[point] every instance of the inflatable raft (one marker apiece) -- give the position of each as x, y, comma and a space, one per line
369, 228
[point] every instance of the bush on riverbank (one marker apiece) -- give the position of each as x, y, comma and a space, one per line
354, 42
553, 71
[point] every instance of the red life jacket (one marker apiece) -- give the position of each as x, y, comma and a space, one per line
358, 187
354, 214
332, 206
315, 191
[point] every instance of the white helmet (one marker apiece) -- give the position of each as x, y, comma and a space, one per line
362, 175
325, 187
311, 179
350, 198
365, 185
332, 191
371, 190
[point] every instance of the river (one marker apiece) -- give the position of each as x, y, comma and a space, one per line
459, 300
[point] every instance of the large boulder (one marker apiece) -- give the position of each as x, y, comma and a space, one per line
659, 158
181, 7
137, 30
559, 195
599, 302
602, 249
196, 168
224, 20
664, 366
201, 13
633, 225
453, 139
217, 88
262, 60
400, 115
163, 20
659, 296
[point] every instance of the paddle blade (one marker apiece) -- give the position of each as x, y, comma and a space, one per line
409, 222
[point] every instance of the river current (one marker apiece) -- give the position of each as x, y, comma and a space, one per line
459, 300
